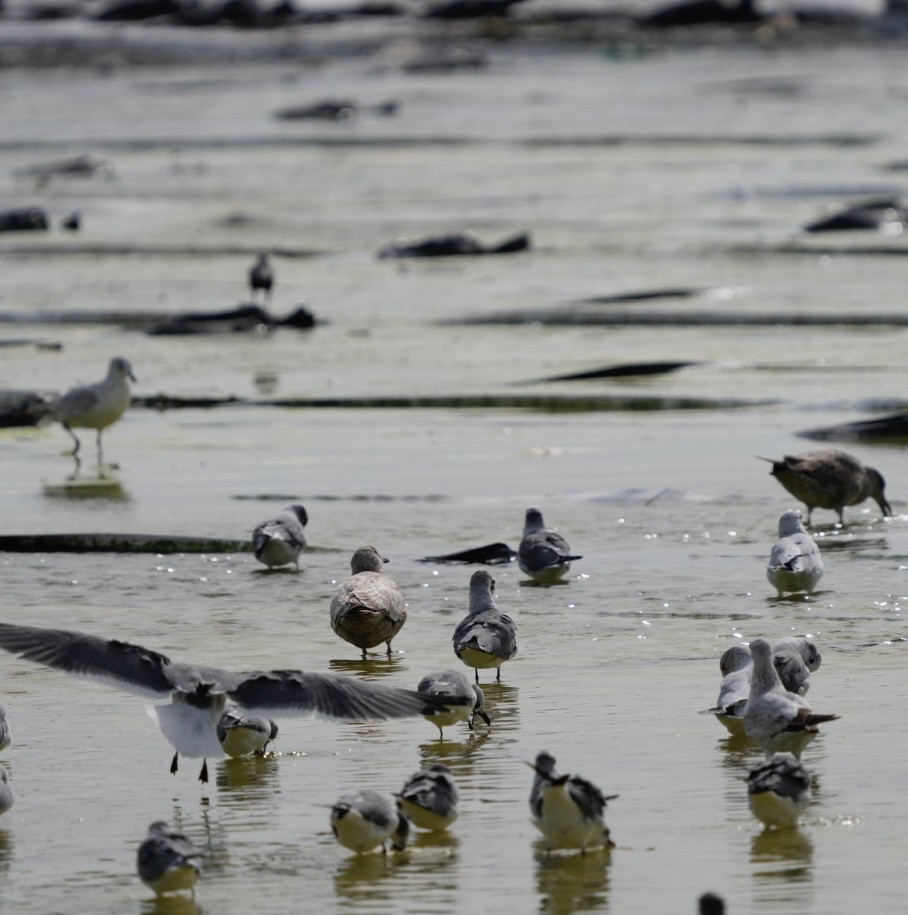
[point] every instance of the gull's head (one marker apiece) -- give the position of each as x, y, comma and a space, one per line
367, 559
533, 519
300, 512
790, 523
479, 707
735, 658
544, 765
482, 580
119, 366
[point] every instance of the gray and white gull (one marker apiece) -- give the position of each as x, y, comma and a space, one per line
167, 861
486, 637
244, 735
366, 820
280, 540
199, 695
778, 790
454, 685
430, 798
795, 564
543, 554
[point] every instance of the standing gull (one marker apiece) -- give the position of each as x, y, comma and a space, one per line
485, 637
6, 735
280, 540
795, 564
368, 608
543, 554
430, 797
198, 695
6, 790
829, 479
167, 861
778, 790
567, 809
367, 819
243, 735
261, 277
774, 717
95, 406
456, 685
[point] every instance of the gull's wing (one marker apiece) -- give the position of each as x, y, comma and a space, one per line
74, 403
292, 692
130, 667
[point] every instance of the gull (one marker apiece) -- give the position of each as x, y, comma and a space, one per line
773, 716
367, 819
486, 637
261, 277
167, 861
795, 564
543, 554
94, 406
455, 685
368, 608
198, 695
280, 540
778, 790
567, 809
796, 647
6, 790
829, 479
430, 798
242, 735
6, 735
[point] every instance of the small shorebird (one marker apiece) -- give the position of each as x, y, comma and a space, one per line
198, 695
167, 861
244, 735
280, 540
454, 684
261, 277
6, 790
368, 608
543, 554
94, 406
568, 810
367, 819
430, 798
829, 479
795, 564
774, 717
486, 637
778, 790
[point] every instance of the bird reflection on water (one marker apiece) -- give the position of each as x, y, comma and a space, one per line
571, 883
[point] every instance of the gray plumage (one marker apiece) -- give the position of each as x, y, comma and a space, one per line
568, 810
368, 608
198, 695
280, 540
486, 637
366, 820
454, 685
6, 790
6, 735
95, 406
795, 564
543, 554
778, 790
242, 735
167, 861
774, 717
830, 479
430, 798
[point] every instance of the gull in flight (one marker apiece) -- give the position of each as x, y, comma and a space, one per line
543, 554
367, 819
280, 540
830, 479
368, 608
568, 810
167, 861
486, 637
795, 564
430, 797
198, 695
94, 406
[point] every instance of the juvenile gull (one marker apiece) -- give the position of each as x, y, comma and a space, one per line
829, 479
795, 564
368, 608
95, 406
486, 637
6, 735
774, 717
778, 790
280, 540
367, 819
567, 809
454, 685
430, 798
261, 277
167, 861
198, 695
242, 735
6, 790
543, 554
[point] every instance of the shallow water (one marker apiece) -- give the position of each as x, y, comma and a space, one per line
672, 512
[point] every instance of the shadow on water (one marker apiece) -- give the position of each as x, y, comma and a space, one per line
258, 774
100, 484
785, 853
572, 882
7, 847
359, 877
374, 667
172, 904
